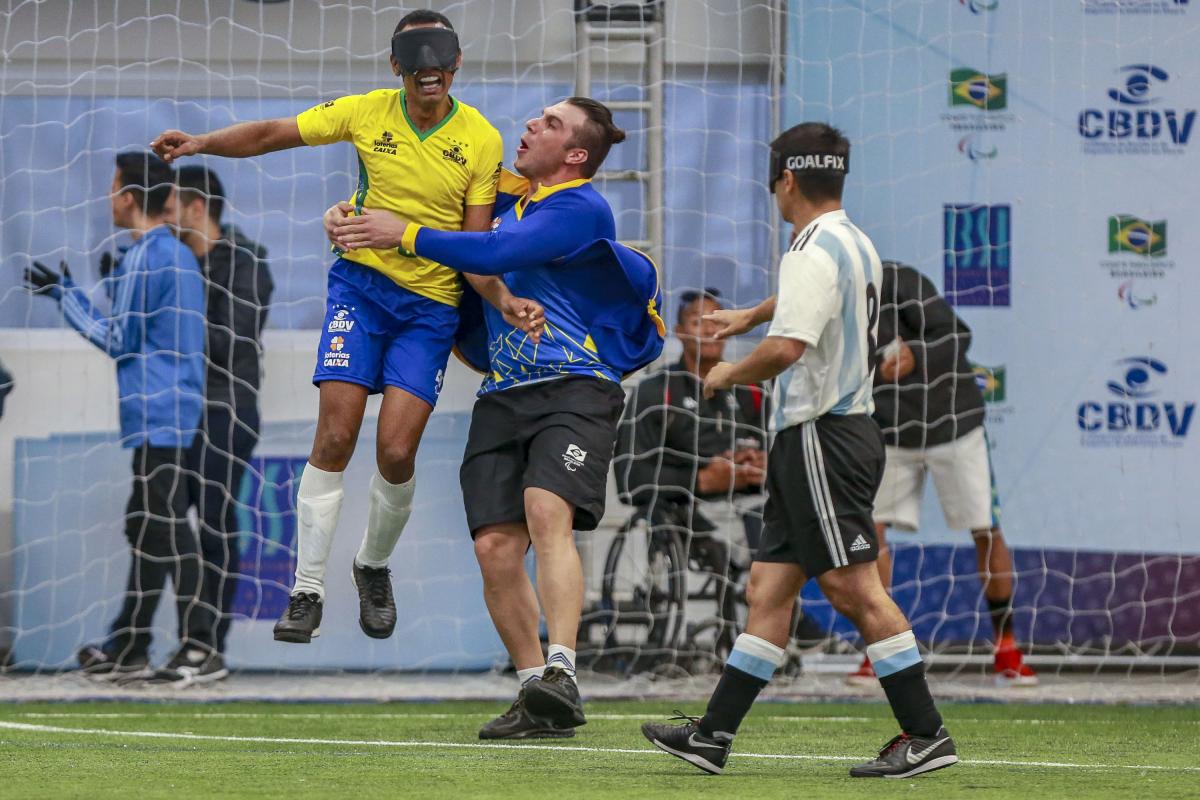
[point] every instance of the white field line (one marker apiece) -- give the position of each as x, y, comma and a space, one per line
488, 715
30, 728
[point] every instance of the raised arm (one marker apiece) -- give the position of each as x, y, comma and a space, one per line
243, 140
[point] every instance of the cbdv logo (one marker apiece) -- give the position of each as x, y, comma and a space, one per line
984, 95
1133, 414
1137, 124
1137, 248
977, 254
1135, 6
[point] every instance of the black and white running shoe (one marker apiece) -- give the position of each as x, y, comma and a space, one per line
518, 723
190, 666
906, 756
301, 623
376, 605
555, 698
98, 664
685, 741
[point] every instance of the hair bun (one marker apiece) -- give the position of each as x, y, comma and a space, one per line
618, 135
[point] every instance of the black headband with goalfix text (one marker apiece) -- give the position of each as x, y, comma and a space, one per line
826, 163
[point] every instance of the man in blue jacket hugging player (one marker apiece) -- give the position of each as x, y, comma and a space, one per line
543, 429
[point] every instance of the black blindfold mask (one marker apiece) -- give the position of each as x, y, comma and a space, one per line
426, 48
806, 162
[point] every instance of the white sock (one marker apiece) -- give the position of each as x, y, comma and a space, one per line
528, 674
390, 506
318, 504
561, 657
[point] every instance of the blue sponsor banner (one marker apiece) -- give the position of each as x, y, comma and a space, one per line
266, 514
977, 252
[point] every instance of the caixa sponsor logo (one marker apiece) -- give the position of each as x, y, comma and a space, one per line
1134, 414
1138, 122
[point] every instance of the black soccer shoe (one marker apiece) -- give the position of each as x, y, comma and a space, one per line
906, 756
301, 623
376, 605
190, 666
518, 723
555, 698
96, 663
687, 742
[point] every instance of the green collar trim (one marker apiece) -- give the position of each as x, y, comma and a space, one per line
423, 136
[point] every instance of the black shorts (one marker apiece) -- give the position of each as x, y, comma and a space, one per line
822, 477
556, 435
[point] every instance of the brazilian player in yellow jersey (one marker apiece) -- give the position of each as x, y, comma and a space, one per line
390, 316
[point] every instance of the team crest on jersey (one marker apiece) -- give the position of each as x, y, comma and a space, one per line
455, 152
386, 144
341, 322
495, 223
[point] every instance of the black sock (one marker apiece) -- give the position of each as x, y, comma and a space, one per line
730, 702
1001, 613
908, 692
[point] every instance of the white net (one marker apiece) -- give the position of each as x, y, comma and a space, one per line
933, 158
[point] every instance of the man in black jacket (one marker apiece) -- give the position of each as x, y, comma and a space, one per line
931, 411
695, 463
239, 286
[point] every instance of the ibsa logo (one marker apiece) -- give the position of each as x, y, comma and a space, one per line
1133, 414
977, 253
970, 147
979, 6
1131, 298
1137, 123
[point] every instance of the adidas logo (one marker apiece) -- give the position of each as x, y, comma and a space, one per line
859, 543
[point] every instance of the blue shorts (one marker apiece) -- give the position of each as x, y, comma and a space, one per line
377, 333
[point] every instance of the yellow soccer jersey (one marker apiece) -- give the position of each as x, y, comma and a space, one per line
424, 177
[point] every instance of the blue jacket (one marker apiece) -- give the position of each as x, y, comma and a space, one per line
155, 333
601, 297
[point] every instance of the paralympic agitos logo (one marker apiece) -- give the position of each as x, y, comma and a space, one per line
1138, 121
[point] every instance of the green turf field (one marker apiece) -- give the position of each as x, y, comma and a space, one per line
430, 750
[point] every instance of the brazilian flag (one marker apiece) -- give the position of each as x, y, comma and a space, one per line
1128, 234
970, 87
991, 382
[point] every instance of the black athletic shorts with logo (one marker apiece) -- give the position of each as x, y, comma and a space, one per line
822, 477
556, 435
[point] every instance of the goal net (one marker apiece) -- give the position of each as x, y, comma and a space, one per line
1029, 171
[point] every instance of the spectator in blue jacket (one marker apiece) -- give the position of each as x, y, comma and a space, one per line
154, 332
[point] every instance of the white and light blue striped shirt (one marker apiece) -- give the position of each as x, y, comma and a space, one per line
828, 298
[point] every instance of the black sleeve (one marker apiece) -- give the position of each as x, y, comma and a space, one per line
937, 336
646, 465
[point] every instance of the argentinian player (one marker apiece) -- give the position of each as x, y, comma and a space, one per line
823, 471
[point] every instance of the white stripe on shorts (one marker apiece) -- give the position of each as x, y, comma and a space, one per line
820, 493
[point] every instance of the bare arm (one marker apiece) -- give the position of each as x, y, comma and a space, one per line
736, 321
773, 355
243, 140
